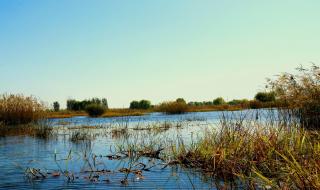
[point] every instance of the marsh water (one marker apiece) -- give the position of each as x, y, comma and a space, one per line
89, 163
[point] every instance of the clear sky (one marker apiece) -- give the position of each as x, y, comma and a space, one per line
152, 49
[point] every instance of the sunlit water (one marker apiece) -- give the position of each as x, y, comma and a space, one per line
60, 154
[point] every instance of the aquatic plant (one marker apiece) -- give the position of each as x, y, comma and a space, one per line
300, 93
19, 109
276, 156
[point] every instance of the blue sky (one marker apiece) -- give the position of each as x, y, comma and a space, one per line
152, 49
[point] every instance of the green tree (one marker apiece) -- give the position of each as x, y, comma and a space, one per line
56, 106
142, 104
265, 96
134, 105
180, 100
218, 101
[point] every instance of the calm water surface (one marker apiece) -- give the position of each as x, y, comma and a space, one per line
60, 154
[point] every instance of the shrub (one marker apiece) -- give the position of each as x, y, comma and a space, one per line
95, 110
173, 107
181, 100
134, 104
265, 96
218, 101
56, 106
238, 102
19, 109
301, 93
142, 104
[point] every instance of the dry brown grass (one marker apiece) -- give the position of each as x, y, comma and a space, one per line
277, 157
208, 108
301, 93
19, 109
108, 113
125, 112
173, 107
65, 114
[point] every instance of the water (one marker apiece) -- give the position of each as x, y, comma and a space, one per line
19, 153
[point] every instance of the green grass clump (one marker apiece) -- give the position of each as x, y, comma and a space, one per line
19, 109
95, 110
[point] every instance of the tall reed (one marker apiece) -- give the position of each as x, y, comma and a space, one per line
173, 107
19, 109
301, 94
276, 156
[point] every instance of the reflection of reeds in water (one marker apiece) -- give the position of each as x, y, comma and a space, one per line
40, 130
81, 135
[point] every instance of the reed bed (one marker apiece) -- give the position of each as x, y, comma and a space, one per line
64, 114
278, 157
125, 112
19, 109
173, 107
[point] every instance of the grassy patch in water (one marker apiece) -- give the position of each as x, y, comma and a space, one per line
278, 157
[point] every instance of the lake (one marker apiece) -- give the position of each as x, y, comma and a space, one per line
91, 163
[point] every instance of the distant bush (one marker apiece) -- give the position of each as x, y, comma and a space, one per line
74, 105
142, 104
56, 106
204, 103
173, 107
181, 100
239, 102
301, 93
95, 110
218, 101
19, 109
265, 96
